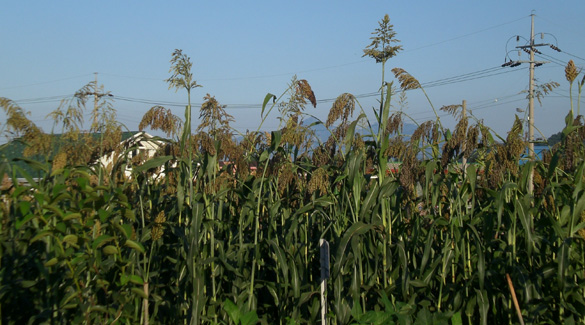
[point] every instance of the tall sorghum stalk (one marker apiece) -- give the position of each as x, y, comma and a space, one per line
182, 78
381, 49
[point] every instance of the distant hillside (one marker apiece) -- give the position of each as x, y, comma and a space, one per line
15, 148
323, 134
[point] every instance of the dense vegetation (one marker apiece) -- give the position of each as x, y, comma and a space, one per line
430, 239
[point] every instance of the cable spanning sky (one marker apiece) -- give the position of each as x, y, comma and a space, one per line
242, 50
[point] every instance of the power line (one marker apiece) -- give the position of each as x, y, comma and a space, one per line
467, 78
44, 82
484, 73
466, 35
131, 77
578, 57
40, 100
322, 68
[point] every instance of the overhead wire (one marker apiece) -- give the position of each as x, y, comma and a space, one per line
40, 100
45, 82
484, 73
469, 34
578, 57
489, 72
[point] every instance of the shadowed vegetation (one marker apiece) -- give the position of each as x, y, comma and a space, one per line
230, 233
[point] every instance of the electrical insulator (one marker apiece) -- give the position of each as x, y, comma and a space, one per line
538, 64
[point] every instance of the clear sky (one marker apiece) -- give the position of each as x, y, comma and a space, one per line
243, 50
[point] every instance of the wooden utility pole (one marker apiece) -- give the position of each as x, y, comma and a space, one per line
463, 147
95, 100
530, 49
531, 109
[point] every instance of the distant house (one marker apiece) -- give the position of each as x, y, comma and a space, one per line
140, 146
139, 143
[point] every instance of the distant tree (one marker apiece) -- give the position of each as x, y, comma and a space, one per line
555, 138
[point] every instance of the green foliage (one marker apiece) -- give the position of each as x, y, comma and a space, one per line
422, 241
427, 244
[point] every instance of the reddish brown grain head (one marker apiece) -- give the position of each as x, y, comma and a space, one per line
342, 108
407, 81
304, 89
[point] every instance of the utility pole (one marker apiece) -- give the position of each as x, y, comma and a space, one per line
463, 147
531, 108
95, 99
531, 48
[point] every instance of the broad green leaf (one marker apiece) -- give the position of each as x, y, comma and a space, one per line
28, 284
22, 221
42, 235
427, 251
51, 262
280, 258
110, 250
249, 318
232, 310
153, 163
356, 229
124, 278
295, 280
264, 156
125, 229
70, 216
349, 135
456, 319
139, 292
101, 240
484, 304
275, 140
129, 214
267, 98
134, 245
472, 177
24, 207
70, 239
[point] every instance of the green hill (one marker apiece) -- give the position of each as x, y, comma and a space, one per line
12, 152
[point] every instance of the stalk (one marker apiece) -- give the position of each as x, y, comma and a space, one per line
580, 88
571, 95
189, 150
211, 215
434, 110
257, 226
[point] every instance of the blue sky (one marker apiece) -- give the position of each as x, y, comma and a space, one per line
243, 50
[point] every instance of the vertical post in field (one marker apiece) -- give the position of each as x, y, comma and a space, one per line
324, 261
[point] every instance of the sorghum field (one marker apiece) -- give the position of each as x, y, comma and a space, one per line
439, 226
